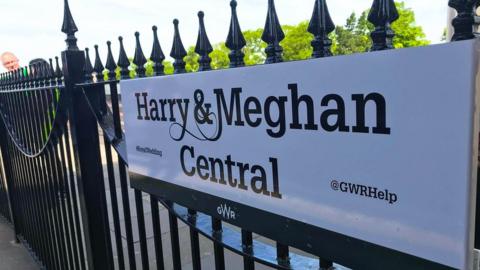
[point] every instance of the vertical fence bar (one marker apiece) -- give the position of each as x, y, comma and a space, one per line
141, 229
157, 233
175, 242
157, 57
217, 248
194, 241
111, 66
247, 243
283, 256
7, 165
123, 63
89, 169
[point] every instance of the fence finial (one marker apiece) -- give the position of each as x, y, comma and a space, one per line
464, 21
157, 55
98, 66
16, 76
382, 14
20, 76
273, 35
203, 47
51, 71
88, 68
139, 58
123, 61
111, 66
178, 51
235, 40
26, 75
58, 71
320, 26
69, 28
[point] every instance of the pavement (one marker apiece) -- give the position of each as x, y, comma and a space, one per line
13, 256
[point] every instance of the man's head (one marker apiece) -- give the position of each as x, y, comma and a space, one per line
9, 61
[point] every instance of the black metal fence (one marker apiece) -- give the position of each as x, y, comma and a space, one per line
64, 182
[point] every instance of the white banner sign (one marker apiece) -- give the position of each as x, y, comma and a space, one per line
377, 146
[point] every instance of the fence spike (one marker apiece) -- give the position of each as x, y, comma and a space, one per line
26, 73
98, 67
123, 61
382, 14
10, 78
203, 46
178, 51
111, 66
88, 68
464, 21
33, 74
139, 58
13, 76
16, 76
157, 55
320, 26
28, 79
235, 40
51, 71
28, 76
58, 70
7, 78
273, 35
20, 75
69, 28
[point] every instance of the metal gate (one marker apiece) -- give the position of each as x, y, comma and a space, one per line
64, 182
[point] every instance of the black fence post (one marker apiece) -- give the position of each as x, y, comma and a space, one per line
6, 164
463, 23
86, 146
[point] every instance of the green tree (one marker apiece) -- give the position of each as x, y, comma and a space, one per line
191, 60
297, 42
255, 48
407, 33
354, 36
219, 56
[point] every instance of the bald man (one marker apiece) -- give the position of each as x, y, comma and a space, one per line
9, 61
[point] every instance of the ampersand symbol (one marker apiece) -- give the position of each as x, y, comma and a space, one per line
202, 111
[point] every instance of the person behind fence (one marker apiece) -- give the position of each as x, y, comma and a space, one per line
10, 61
46, 109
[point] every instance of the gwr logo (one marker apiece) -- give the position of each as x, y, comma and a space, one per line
226, 212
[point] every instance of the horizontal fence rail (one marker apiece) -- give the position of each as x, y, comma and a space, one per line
64, 183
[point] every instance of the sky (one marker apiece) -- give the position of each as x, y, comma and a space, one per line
31, 28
